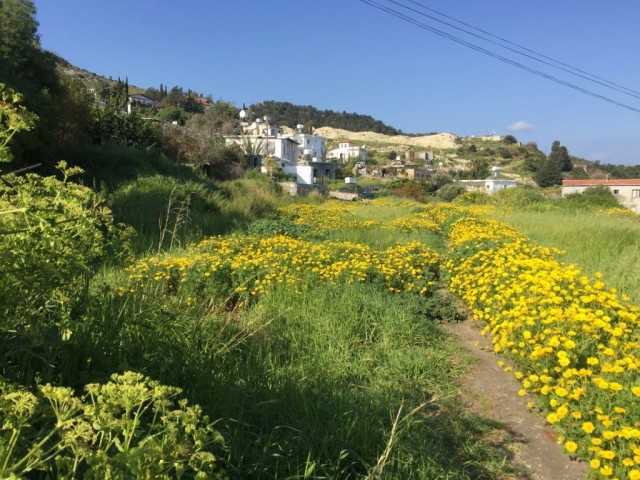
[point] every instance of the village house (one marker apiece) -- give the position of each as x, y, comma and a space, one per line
626, 191
489, 185
298, 154
312, 173
414, 173
139, 101
310, 146
205, 102
283, 150
347, 150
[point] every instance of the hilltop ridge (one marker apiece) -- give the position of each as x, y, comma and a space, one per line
437, 140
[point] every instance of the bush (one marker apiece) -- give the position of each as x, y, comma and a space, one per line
129, 427
411, 189
474, 197
519, 196
54, 234
599, 197
450, 191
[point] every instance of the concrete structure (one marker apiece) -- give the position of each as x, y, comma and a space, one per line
346, 196
294, 188
413, 173
489, 185
299, 155
139, 101
347, 150
314, 145
626, 191
284, 150
312, 173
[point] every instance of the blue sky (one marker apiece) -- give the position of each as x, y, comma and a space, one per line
346, 55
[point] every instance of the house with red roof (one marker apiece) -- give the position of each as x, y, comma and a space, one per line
626, 190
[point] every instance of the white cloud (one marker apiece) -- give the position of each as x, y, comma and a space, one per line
521, 126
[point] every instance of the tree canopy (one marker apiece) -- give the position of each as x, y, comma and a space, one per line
285, 113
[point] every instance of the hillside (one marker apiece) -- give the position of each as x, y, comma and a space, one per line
435, 141
285, 113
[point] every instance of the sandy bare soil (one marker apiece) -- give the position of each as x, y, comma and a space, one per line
439, 141
490, 391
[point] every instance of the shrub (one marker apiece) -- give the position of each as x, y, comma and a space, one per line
129, 427
474, 197
411, 189
450, 191
54, 234
519, 196
593, 197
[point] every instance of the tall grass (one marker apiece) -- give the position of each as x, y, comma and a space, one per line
168, 211
344, 382
595, 242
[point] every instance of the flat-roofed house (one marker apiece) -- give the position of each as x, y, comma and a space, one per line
626, 190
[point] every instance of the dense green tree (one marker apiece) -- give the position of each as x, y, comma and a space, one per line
173, 114
560, 155
219, 119
19, 41
510, 140
549, 174
479, 168
31, 71
110, 123
285, 113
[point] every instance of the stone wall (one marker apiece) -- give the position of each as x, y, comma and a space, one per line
294, 189
349, 197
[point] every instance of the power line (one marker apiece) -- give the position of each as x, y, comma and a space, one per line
470, 45
594, 78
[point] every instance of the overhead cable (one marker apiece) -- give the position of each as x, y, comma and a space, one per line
401, 16
547, 59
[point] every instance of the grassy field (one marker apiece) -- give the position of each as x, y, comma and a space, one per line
311, 339
594, 241
311, 335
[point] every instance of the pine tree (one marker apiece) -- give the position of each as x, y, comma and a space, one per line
549, 174
561, 156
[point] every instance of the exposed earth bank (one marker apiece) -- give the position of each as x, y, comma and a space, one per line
439, 140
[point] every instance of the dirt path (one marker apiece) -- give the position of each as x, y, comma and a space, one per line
491, 392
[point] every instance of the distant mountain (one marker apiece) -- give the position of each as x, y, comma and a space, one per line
285, 113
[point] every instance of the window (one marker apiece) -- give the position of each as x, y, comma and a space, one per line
635, 193
616, 192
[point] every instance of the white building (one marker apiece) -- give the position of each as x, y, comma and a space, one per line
626, 191
140, 101
284, 150
312, 173
316, 146
347, 150
489, 185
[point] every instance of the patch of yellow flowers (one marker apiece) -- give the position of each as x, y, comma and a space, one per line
330, 216
574, 342
252, 265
